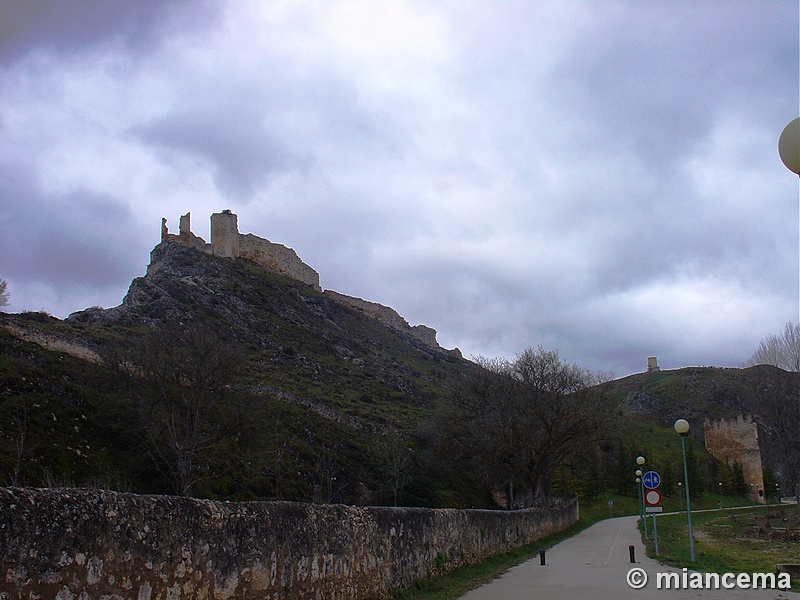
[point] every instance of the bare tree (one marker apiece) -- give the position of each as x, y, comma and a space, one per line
4, 292
179, 380
781, 350
391, 451
516, 422
20, 419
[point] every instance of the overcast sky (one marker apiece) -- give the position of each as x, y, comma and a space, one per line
596, 177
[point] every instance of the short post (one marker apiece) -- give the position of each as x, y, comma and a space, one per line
655, 534
541, 557
632, 552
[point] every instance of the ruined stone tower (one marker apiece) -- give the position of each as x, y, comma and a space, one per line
736, 440
225, 234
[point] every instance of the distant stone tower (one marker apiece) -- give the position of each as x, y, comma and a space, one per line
736, 440
652, 364
225, 234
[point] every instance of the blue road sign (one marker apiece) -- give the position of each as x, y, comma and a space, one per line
651, 480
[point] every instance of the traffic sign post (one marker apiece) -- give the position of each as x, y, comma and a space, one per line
651, 480
652, 502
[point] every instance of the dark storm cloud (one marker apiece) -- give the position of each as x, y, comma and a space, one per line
63, 239
600, 178
69, 25
243, 154
252, 123
657, 90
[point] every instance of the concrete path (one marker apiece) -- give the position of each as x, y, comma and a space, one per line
595, 564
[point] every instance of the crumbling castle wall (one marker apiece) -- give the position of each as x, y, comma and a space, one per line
278, 258
80, 543
185, 236
386, 315
736, 440
228, 242
225, 234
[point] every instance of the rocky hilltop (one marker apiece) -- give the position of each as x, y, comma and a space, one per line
226, 290
295, 334
331, 399
319, 375
713, 397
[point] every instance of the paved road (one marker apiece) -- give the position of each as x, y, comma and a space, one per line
594, 564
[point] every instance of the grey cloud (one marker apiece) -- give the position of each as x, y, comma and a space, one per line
562, 140
252, 128
655, 91
67, 26
70, 239
243, 153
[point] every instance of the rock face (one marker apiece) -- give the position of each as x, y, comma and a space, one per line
348, 351
71, 543
181, 284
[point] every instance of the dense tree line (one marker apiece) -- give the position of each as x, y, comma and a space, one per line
514, 423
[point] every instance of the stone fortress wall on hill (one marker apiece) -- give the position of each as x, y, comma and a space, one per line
87, 543
226, 241
736, 440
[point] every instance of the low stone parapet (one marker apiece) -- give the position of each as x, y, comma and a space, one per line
71, 543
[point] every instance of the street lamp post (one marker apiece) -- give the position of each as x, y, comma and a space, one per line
680, 494
789, 151
641, 500
638, 474
640, 461
682, 427
720, 495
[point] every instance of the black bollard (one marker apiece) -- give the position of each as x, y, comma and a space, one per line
541, 557
632, 552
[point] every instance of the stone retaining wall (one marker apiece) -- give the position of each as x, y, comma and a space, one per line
80, 544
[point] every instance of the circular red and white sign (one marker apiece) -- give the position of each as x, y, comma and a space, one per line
652, 497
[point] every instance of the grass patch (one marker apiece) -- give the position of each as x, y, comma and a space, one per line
747, 540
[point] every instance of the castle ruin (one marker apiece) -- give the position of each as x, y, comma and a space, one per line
228, 242
736, 440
